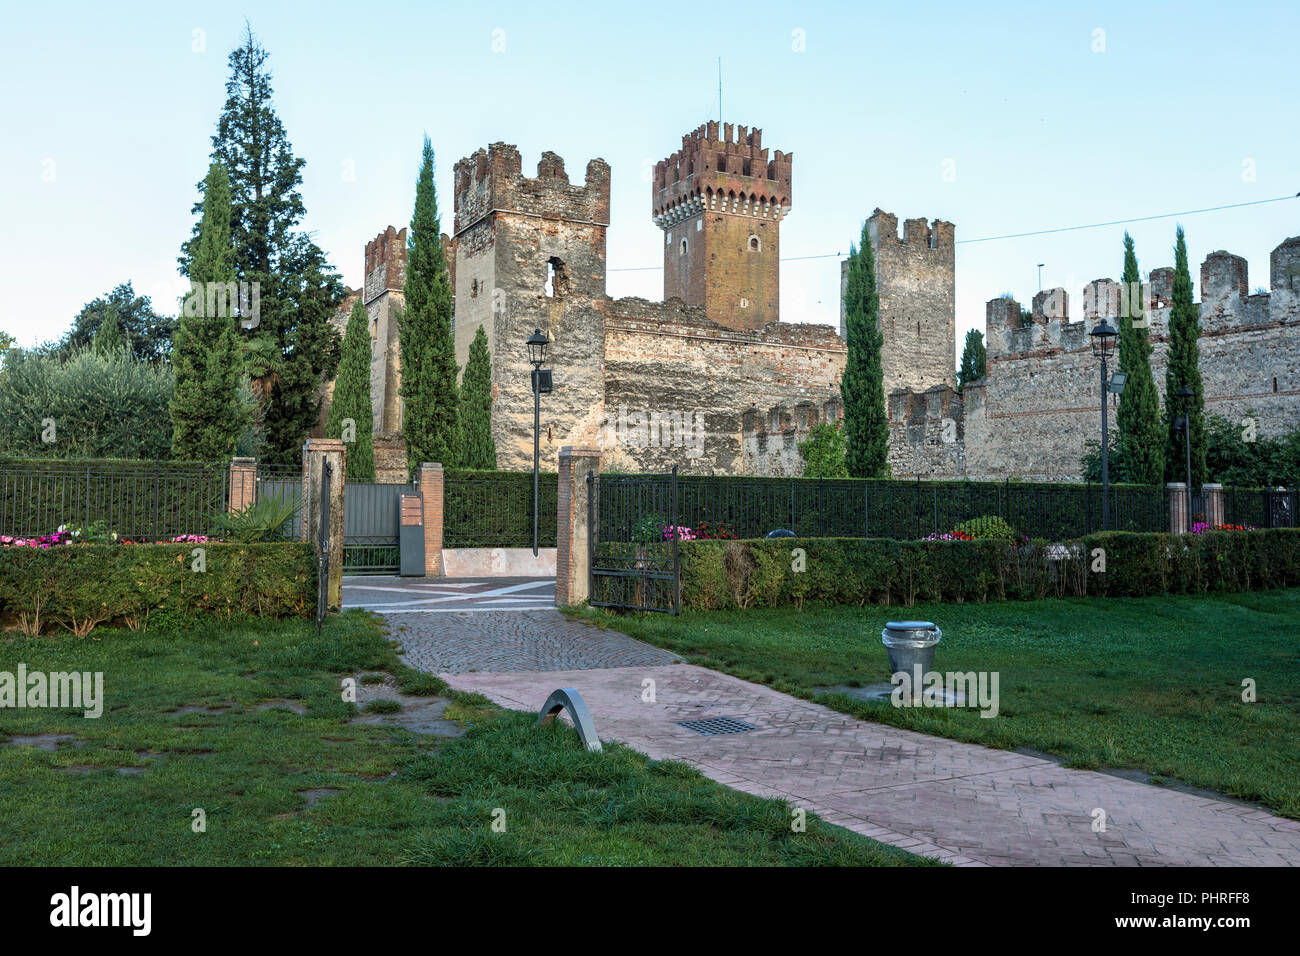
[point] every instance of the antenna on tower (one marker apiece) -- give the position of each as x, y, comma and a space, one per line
719, 91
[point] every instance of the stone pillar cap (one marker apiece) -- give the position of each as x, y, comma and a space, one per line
579, 451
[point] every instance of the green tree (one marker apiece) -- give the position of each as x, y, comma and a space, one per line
207, 414
866, 427
1141, 431
108, 339
292, 350
823, 452
478, 450
352, 397
430, 413
147, 333
974, 359
92, 405
1183, 371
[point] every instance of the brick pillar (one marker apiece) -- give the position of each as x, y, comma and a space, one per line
572, 563
1177, 507
431, 487
315, 453
243, 483
1213, 495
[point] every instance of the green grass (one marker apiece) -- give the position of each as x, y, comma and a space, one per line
1148, 683
401, 798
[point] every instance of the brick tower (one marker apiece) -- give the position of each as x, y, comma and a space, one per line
720, 202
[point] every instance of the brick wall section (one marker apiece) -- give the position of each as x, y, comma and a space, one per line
432, 487
243, 483
1177, 507
572, 564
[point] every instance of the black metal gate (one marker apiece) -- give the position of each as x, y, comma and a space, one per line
1280, 507
632, 534
371, 533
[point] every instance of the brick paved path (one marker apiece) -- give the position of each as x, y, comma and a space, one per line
958, 802
536, 640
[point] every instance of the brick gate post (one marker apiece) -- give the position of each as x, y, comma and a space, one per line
432, 488
1213, 496
243, 483
1177, 491
572, 563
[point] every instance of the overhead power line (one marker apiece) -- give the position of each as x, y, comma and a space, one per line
1022, 235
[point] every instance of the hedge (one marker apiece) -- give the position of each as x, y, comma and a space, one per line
78, 587
494, 509
761, 573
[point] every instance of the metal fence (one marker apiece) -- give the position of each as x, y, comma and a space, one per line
144, 501
1261, 507
277, 481
632, 537
809, 507
495, 510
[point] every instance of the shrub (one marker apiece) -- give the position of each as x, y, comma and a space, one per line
988, 526
263, 520
762, 573
83, 586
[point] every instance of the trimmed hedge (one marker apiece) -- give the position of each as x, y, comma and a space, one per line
494, 509
80, 586
761, 573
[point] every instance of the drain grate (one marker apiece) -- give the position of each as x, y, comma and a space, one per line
716, 725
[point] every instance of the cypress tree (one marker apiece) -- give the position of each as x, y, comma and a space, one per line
974, 359
479, 449
352, 397
1183, 370
866, 428
293, 349
206, 413
430, 413
108, 339
1140, 428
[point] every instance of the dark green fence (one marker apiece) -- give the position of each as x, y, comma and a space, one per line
146, 501
494, 509
851, 508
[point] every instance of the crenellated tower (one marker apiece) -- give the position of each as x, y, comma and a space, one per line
720, 201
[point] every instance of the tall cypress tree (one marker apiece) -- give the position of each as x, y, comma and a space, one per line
108, 340
479, 450
293, 349
974, 359
206, 413
430, 412
1141, 437
352, 397
1183, 370
866, 427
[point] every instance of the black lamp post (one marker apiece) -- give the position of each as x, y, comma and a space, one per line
1104, 337
1184, 421
537, 343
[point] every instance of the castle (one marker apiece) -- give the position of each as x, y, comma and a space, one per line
712, 380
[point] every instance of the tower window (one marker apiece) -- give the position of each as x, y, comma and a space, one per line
1274, 384
699, 224
681, 251
668, 238
744, 303
473, 289
755, 244
558, 282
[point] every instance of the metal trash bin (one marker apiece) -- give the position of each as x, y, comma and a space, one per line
910, 643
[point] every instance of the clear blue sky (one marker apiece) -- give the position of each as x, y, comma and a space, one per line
114, 105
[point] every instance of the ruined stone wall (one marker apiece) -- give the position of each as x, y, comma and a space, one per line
720, 401
385, 277
1040, 402
511, 234
926, 433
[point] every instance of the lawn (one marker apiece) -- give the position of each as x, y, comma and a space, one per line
1153, 684
390, 797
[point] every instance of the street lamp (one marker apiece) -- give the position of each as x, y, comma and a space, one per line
1104, 337
1184, 421
537, 343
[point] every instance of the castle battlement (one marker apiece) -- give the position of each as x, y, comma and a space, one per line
385, 263
725, 173
492, 180
917, 233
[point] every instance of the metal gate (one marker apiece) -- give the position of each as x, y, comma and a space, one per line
632, 534
371, 527
1280, 508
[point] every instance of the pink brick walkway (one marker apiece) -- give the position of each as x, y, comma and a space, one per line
957, 802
